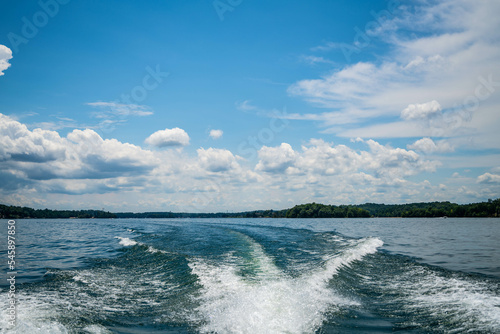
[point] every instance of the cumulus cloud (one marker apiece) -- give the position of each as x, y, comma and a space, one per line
421, 111
396, 162
383, 161
324, 171
427, 145
40, 164
216, 134
276, 159
5, 56
216, 160
42, 155
20, 144
489, 178
168, 138
321, 157
109, 157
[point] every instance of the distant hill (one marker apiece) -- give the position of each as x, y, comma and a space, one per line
434, 209
430, 209
491, 208
314, 210
16, 212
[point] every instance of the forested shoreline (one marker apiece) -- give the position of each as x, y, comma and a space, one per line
17, 212
491, 208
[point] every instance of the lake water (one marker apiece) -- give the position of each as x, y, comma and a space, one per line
254, 276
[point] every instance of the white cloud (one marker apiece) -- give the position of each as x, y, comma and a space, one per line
47, 161
20, 144
39, 165
216, 160
313, 60
276, 159
120, 109
489, 178
427, 145
103, 157
327, 46
396, 162
168, 137
5, 56
419, 62
421, 111
245, 106
320, 157
349, 85
436, 53
216, 134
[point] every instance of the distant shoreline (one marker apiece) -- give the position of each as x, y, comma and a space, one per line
491, 208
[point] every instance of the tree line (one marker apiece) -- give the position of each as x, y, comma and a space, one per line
491, 208
18, 212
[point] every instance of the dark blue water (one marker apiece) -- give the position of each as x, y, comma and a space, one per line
255, 276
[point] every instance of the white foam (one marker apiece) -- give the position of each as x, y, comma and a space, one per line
80, 278
97, 329
469, 303
274, 302
126, 241
35, 314
262, 265
355, 252
32, 316
105, 290
466, 304
155, 250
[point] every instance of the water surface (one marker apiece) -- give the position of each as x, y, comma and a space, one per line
255, 276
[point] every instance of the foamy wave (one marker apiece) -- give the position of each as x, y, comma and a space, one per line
467, 304
80, 278
96, 329
260, 264
35, 314
90, 294
155, 250
32, 316
126, 241
355, 252
129, 242
275, 302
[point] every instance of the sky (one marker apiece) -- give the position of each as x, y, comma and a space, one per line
235, 105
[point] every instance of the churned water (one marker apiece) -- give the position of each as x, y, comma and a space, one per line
255, 276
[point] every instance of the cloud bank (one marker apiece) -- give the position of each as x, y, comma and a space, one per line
38, 165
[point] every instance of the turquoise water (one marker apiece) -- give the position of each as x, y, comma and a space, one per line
255, 276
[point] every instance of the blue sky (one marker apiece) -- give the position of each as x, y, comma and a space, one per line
241, 105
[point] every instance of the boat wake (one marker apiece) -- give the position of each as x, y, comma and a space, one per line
265, 299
